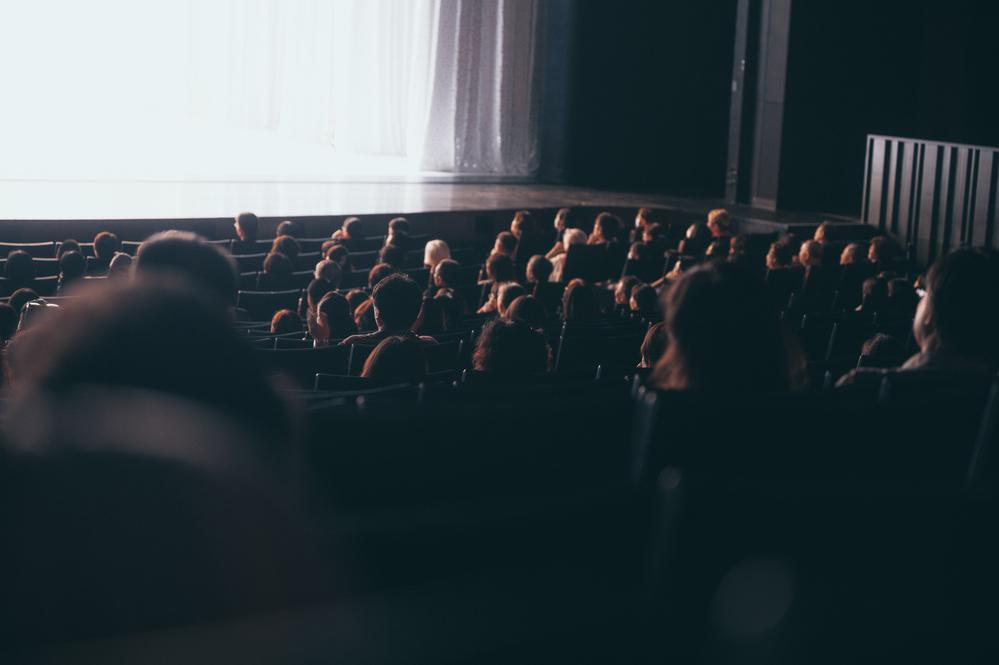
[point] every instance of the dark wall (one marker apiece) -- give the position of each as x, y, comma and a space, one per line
649, 95
911, 68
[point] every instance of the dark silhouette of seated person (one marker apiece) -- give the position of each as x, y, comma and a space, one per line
288, 228
246, 226
725, 334
286, 322
579, 303
511, 349
277, 274
287, 245
396, 301
19, 272
191, 256
351, 234
396, 360
106, 245
333, 320
72, 268
957, 321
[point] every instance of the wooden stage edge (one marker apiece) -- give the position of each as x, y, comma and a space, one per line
26, 207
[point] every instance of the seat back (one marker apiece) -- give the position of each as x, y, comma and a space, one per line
261, 305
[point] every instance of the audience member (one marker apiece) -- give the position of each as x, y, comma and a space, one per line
379, 272
539, 270
506, 244
393, 255
529, 310
120, 266
644, 302
561, 225
571, 237
396, 359
432, 319
286, 322
333, 320
824, 233
434, 252
288, 228
654, 345
277, 273
246, 225
579, 303
512, 349
330, 272
68, 245
20, 297
874, 296
72, 268
364, 317
724, 334
351, 234
852, 254
190, 255
20, 271
507, 294
720, 224
397, 300
287, 245
606, 230
106, 245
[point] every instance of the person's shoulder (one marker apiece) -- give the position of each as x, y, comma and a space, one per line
353, 339
863, 378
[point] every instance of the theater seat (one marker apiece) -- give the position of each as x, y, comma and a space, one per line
261, 305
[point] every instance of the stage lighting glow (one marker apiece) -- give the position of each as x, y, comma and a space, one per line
208, 89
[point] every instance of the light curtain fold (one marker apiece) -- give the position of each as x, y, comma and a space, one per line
450, 84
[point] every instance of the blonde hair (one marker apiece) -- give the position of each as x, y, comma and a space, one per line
719, 219
434, 252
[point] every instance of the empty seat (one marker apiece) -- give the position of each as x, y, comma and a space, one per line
303, 364
39, 250
250, 262
261, 305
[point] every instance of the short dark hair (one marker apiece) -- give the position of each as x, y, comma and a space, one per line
286, 321
105, 245
72, 265
508, 293
394, 255
316, 290
539, 268
513, 348
579, 302
287, 245
397, 224
355, 297
782, 253
507, 241
354, 227
882, 248
379, 272
447, 270
608, 224
646, 299
397, 300
68, 245
396, 359
874, 294
249, 223
337, 253
288, 228
21, 296
278, 265
500, 268
20, 268
529, 310
339, 314
192, 256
